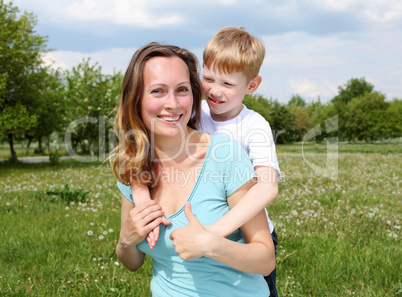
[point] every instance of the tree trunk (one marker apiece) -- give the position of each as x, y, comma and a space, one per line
40, 148
29, 143
11, 142
48, 144
91, 152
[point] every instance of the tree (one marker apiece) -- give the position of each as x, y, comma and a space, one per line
355, 87
366, 117
297, 100
20, 55
91, 97
318, 113
48, 104
393, 119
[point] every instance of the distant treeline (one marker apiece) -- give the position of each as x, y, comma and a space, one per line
357, 113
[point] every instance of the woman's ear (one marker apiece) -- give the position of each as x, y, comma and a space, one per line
254, 84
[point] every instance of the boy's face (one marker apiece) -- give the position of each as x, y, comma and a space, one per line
224, 92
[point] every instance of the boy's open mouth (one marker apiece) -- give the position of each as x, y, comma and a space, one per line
215, 101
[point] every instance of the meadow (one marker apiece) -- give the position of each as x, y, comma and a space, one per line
60, 225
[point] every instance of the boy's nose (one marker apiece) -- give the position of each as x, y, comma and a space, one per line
215, 91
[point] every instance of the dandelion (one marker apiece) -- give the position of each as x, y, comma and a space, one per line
117, 263
101, 237
110, 230
90, 233
294, 213
104, 232
67, 208
92, 224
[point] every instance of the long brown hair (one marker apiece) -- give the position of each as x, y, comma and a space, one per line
132, 156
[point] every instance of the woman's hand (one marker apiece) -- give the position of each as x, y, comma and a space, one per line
141, 220
192, 241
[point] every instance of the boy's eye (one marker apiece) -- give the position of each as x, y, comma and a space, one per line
208, 79
229, 84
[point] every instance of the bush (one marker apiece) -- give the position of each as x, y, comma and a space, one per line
67, 195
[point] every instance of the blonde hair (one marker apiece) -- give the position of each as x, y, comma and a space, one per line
132, 157
235, 50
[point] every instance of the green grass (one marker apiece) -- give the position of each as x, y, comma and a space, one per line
336, 237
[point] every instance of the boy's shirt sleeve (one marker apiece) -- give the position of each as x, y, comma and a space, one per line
261, 145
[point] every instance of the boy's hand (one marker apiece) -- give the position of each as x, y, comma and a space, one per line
153, 236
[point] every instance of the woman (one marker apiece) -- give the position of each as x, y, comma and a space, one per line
160, 146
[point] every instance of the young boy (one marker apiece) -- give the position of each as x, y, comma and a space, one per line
232, 60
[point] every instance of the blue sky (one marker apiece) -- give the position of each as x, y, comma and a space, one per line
313, 46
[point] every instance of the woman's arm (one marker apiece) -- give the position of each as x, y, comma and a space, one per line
256, 256
136, 223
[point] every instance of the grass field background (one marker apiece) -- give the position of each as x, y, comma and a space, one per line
336, 237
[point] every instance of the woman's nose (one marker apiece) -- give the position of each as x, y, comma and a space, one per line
171, 101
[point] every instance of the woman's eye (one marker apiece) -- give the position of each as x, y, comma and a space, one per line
183, 89
156, 91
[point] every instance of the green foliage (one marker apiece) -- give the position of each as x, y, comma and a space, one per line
369, 117
16, 118
355, 87
91, 98
67, 195
54, 158
20, 55
297, 100
48, 103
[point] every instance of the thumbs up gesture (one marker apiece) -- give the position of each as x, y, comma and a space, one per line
192, 241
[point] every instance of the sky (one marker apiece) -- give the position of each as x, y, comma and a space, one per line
312, 46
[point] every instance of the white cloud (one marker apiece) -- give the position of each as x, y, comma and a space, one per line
111, 60
309, 89
125, 12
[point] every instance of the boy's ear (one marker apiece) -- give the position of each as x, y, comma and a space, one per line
254, 84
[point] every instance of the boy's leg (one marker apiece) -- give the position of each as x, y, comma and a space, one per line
271, 279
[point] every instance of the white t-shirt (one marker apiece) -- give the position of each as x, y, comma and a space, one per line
251, 131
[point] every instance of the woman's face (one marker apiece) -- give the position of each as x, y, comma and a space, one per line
167, 99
